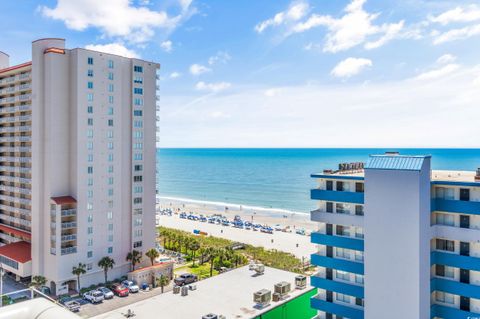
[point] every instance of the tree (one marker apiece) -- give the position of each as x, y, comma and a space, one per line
38, 281
163, 281
212, 253
165, 234
194, 246
106, 263
152, 254
134, 257
78, 271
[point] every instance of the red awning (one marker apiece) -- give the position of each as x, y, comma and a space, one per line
62, 200
15, 232
19, 251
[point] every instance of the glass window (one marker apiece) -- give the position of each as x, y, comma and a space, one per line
444, 297
110, 134
137, 113
89, 242
342, 253
90, 218
110, 75
110, 250
90, 60
110, 181
90, 230
90, 169
110, 169
359, 255
342, 275
90, 133
138, 156
110, 88
110, 64
110, 99
445, 219
138, 124
90, 109
90, 85
137, 244
89, 122
110, 145
90, 182
138, 101
138, 91
89, 266
90, 145
138, 168
110, 122
110, 237
109, 215
110, 192
137, 178
138, 189
89, 254
89, 193
138, 68
110, 157
138, 80
89, 206
342, 297
90, 97
110, 226
447, 245
90, 73
359, 279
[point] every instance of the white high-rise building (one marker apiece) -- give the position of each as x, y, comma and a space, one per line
77, 162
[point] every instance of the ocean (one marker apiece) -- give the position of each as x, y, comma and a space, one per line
271, 178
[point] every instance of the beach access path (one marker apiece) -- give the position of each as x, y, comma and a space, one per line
293, 243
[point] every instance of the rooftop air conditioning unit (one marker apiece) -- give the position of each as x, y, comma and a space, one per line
262, 297
282, 288
210, 316
259, 269
300, 282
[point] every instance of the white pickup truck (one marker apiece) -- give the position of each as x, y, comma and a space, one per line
94, 296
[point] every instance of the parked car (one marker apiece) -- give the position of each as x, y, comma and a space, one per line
107, 293
132, 287
94, 296
185, 279
72, 305
120, 290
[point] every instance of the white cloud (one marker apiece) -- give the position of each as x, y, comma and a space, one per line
354, 28
403, 113
197, 69
220, 57
115, 18
113, 48
350, 67
212, 87
456, 34
295, 12
459, 14
446, 58
438, 73
167, 46
175, 75
219, 115
272, 92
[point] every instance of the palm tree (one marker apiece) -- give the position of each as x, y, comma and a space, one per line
212, 253
78, 271
163, 281
153, 254
38, 281
134, 257
106, 263
194, 247
165, 233
202, 252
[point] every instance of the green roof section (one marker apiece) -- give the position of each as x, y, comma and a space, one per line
396, 162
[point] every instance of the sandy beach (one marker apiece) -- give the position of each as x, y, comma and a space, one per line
290, 242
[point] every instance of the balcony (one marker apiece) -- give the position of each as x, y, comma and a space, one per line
14, 179
69, 250
15, 159
337, 196
68, 225
16, 149
455, 233
337, 241
455, 260
455, 206
352, 266
322, 216
16, 220
455, 287
15, 199
17, 108
15, 209
69, 237
15, 169
14, 189
69, 212
451, 313
15, 129
335, 308
337, 286
11, 119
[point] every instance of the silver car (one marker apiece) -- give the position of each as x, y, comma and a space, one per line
107, 293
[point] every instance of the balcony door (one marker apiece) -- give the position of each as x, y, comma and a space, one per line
465, 276
464, 248
464, 221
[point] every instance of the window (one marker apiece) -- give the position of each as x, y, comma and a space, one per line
110, 204
445, 219
138, 124
343, 298
110, 122
138, 101
137, 200
359, 187
138, 80
89, 122
89, 266
138, 91
90, 158
342, 208
329, 207
445, 271
110, 192
110, 250
137, 244
90, 145
110, 157
89, 254
444, 297
89, 85
110, 181
358, 232
342, 253
329, 185
138, 222
110, 64
343, 230
90, 182
90, 133
464, 194
110, 226
90, 230
138, 156
138, 233
138, 189
447, 245
90, 73
110, 75
110, 88
137, 146
138, 134
90, 242
359, 210
110, 134
90, 218
110, 110
359, 279
90, 97
137, 113
89, 193
90, 60
137, 178
90, 109
109, 215
110, 237
138, 168
340, 186
359, 255
342, 275
445, 193
89, 206
138, 69
90, 169
110, 145
110, 169
110, 99
137, 211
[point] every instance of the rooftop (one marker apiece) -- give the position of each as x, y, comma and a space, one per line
229, 294
19, 251
62, 200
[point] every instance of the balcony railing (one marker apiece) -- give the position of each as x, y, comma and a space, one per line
67, 225
15, 129
69, 212
69, 237
69, 250
17, 108
15, 209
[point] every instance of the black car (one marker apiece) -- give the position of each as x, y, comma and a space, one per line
185, 279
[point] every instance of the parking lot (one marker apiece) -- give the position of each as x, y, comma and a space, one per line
88, 310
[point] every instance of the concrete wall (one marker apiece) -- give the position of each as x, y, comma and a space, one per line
4, 60
397, 222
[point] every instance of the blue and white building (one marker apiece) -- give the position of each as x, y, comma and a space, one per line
397, 240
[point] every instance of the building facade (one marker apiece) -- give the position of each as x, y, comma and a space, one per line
77, 152
396, 240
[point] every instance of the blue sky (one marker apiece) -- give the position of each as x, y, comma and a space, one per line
280, 73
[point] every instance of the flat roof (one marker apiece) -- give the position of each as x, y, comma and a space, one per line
62, 200
15, 67
14, 231
229, 294
19, 251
